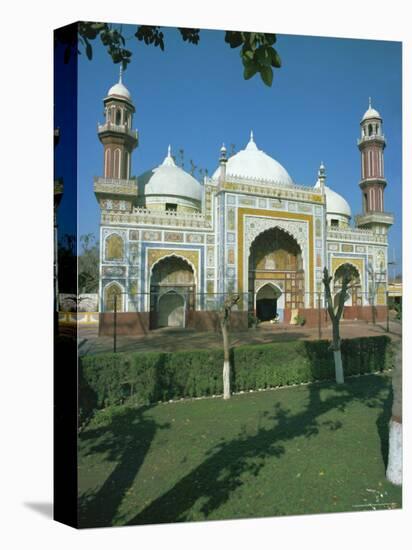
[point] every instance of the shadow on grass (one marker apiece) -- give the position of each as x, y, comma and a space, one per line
125, 441
210, 485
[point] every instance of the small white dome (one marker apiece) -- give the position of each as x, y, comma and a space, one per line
253, 164
371, 112
335, 203
120, 89
170, 180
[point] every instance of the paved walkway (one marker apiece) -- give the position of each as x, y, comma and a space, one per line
169, 339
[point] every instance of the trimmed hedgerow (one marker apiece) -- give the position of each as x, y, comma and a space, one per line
146, 377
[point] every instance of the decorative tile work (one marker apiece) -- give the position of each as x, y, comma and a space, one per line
152, 236
262, 203
231, 219
133, 235
156, 254
318, 210
230, 237
277, 204
347, 247
210, 273
361, 249
318, 227
230, 272
334, 247
247, 201
113, 271
318, 243
134, 271
318, 260
305, 208
210, 287
173, 237
210, 239
194, 238
231, 255
231, 199
210, 256
292, 207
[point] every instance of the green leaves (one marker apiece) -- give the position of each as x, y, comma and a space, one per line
256, 49
257, 53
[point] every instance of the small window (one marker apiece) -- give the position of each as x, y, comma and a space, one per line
171, 207
334, 223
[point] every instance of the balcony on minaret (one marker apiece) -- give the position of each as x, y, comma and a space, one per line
373, 137
374, 218
110, 128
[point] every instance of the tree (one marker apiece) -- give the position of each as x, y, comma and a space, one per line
394, 469
256, 49
228, 304
335, 309
88, 264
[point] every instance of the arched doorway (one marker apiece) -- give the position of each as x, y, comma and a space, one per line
355, 293
276, 256
172, 292
267, 302
112, 294
171, 310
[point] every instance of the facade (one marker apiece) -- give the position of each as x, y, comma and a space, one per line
172, 247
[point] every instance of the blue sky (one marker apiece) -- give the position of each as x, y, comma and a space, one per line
195, 98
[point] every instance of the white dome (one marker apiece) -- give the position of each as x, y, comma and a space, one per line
335, 203
253, 164
119, 89
371, 112
170, 180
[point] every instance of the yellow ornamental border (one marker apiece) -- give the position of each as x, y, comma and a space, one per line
156, 254
359, 263
277, 214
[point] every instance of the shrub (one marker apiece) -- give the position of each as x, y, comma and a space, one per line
146, 377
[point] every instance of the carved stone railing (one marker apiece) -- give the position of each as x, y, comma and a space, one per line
110, 127
115, 186
375, 217
373, 137
355, 234
267, 187
142, 216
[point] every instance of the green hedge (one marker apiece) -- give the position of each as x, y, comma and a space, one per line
147, 377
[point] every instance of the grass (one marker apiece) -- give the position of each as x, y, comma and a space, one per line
298, 450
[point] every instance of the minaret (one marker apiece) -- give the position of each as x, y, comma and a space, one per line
117, 190
222, 164
371, 145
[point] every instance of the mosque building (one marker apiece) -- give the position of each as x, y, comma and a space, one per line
171, 247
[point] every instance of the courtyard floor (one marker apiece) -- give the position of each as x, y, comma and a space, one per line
309, 449
170, 339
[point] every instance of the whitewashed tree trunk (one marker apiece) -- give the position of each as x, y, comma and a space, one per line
338, 367
394, 469
226, 380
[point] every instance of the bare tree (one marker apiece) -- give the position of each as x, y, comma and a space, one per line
228, 304
394, 469
335, 309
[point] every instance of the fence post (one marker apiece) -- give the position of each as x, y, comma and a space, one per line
319, 317
387, 311
114, 323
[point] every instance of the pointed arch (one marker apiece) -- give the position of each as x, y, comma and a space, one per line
113, 292
114, 247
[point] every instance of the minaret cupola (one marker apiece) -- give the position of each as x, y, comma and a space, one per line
371, 145
117, 190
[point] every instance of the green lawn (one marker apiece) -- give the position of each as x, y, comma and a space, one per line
298, 450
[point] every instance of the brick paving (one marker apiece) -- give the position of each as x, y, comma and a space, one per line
170, 339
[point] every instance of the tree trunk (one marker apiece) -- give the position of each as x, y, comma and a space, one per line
337, 353
394, 469
226, 362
